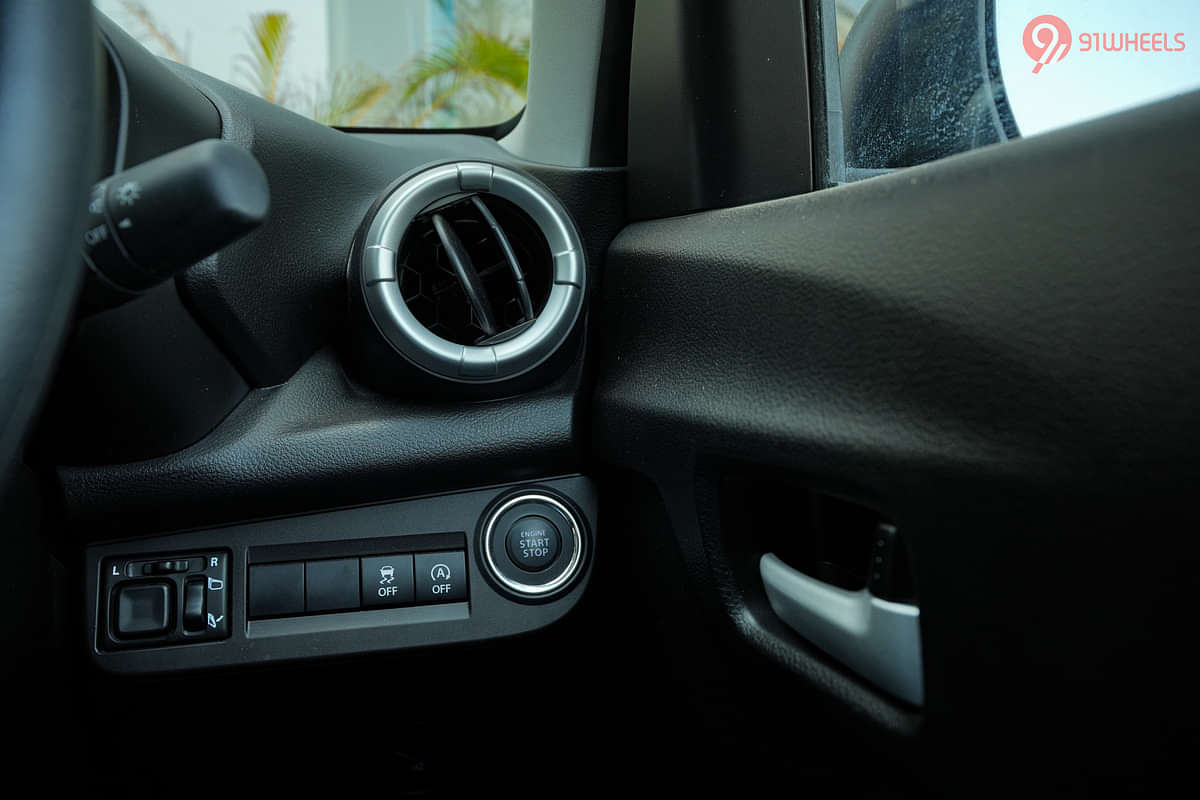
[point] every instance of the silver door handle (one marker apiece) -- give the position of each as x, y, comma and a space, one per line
878, 639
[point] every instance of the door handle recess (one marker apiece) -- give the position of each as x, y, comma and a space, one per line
878, 639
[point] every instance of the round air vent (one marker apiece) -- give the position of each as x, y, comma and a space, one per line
473, 272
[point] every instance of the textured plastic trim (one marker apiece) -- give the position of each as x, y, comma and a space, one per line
466, 363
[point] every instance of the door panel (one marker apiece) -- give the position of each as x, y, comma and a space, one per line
998, 353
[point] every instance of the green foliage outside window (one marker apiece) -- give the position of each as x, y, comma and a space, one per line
476, 78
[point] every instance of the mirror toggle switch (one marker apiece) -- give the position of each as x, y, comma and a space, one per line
193, 605
165, 567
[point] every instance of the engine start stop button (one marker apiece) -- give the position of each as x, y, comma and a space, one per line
533, 543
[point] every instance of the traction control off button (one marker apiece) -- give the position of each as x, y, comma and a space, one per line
387, 581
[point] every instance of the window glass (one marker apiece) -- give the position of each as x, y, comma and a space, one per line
916, 80
352, 63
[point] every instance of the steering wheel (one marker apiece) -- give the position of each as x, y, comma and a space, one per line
48, 143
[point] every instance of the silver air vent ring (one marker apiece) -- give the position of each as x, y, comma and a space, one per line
472, 363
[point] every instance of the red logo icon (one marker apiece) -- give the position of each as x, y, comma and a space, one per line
1047, 39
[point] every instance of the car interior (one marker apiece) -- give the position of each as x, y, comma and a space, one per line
725, 421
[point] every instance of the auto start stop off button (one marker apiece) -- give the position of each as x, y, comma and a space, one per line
533, 543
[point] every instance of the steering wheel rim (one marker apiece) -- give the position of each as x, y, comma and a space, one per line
48, 142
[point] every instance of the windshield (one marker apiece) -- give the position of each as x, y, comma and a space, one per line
367, 63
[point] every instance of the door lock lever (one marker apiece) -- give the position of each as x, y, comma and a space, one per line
877, 638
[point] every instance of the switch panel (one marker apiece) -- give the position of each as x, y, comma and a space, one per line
187, 600
383, 577
352, 584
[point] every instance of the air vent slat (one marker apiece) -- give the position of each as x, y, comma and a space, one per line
463, 260
460, 259
509, 256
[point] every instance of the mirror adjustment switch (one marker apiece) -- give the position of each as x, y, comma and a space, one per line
191, 586
165, 567
193, 605
143, 609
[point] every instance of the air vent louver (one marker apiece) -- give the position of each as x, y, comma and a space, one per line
473, 272
438, 293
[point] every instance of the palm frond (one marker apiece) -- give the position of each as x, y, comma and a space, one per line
474, 58
350, 98
268, 40
479, 72
155, 31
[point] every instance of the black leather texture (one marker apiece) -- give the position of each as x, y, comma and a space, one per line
318, 441
48, 143
999, 351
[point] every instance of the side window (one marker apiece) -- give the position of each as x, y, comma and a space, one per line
917, 80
